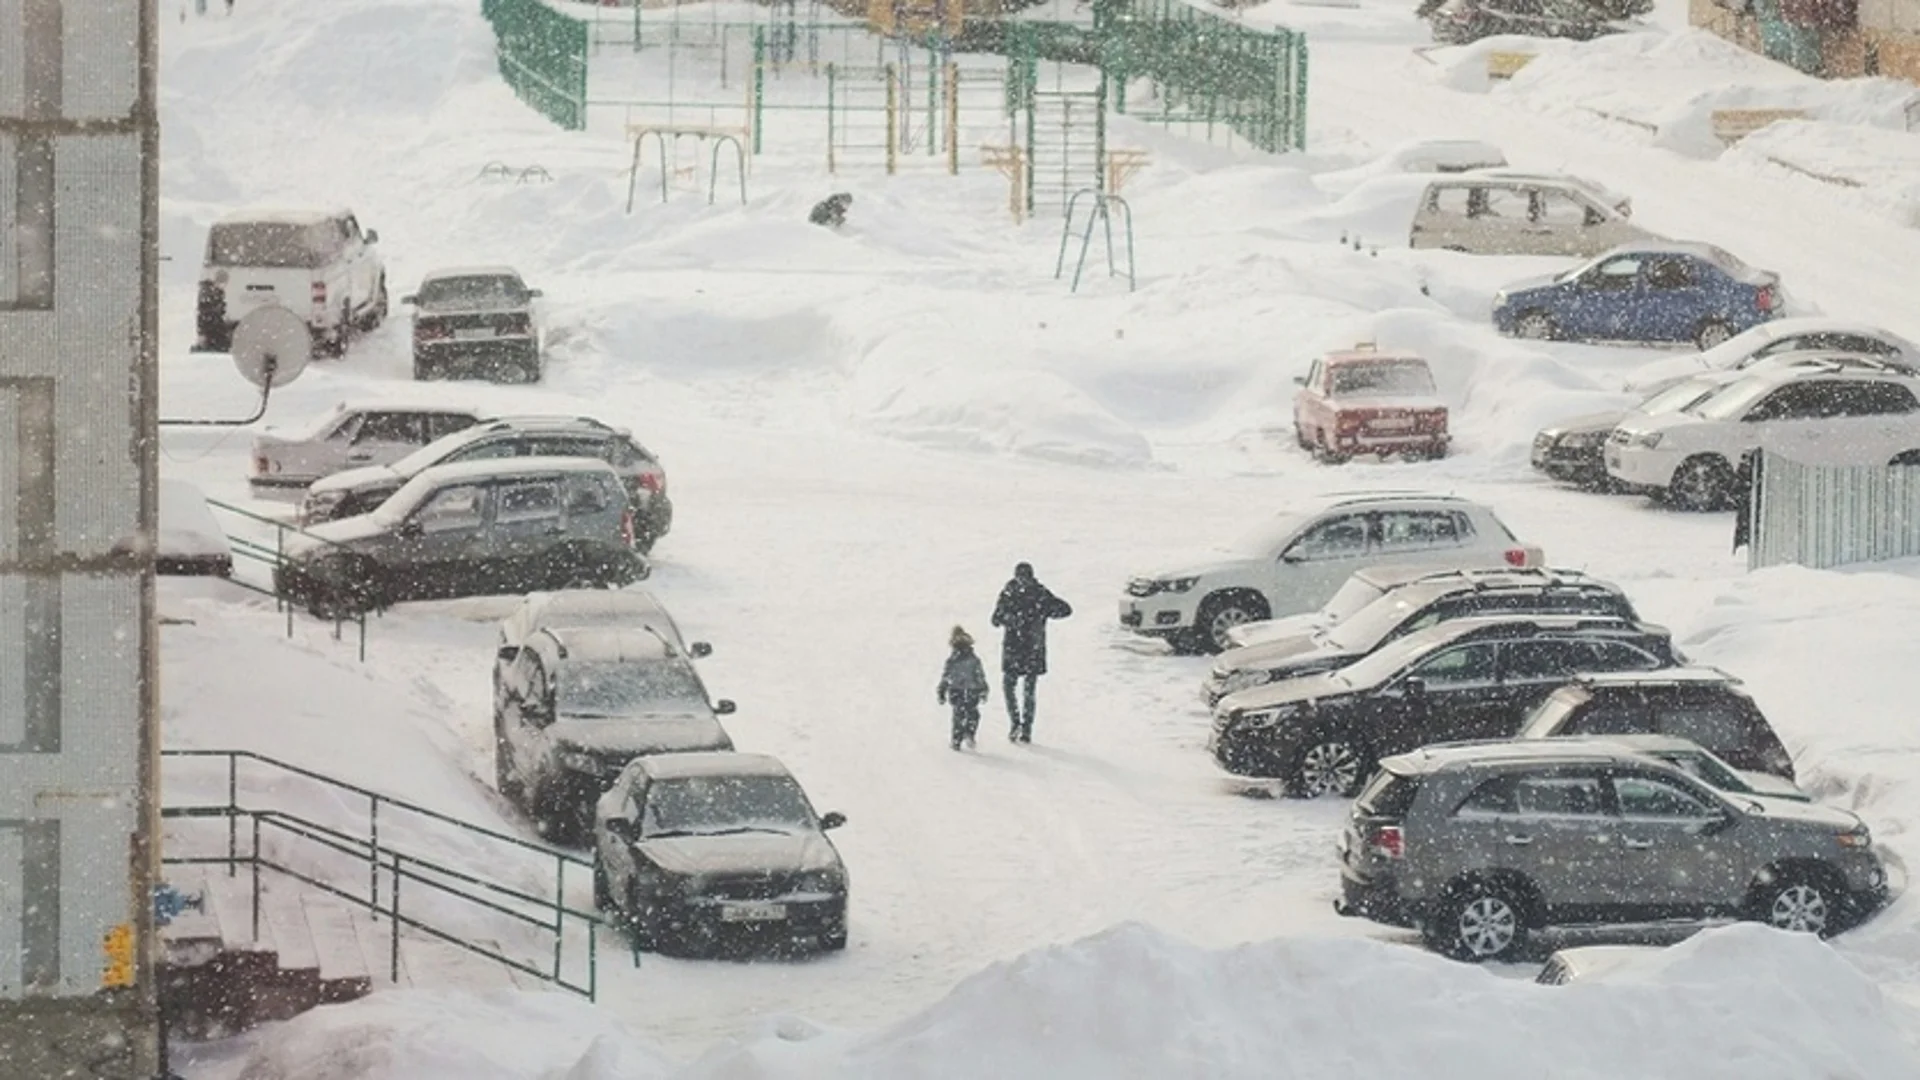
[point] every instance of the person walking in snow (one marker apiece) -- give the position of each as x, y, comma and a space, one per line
1023, 610
963, 685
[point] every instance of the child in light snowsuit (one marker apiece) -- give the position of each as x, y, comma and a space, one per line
963, 685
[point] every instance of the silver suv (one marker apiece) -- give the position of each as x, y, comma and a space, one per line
463, 530
1479, 845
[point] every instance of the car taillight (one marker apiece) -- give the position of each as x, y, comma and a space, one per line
626, 526
515, 324
1432, 419
430, 331
654, 482
320, 294
1765, 298
1347, 423
1387, 840
1515, 556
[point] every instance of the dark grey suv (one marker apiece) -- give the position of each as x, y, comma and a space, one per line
1477, 846
360, 491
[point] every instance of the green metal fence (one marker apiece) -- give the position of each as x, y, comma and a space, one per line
543, 57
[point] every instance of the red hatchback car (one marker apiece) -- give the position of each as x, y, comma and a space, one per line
1363, 401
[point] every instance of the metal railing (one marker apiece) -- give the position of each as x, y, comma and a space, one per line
547, 912
249, 550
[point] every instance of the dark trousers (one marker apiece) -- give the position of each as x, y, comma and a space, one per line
1020, 707
966, 716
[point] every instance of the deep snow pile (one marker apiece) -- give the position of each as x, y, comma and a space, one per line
1134, 1002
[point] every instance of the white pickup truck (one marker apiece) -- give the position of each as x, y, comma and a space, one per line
316, 263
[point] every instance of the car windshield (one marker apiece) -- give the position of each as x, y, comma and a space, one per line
707, 805
1678, 397
270, 244
1553, 712
1352, 598
1387, 662
1268, 536
1383, 378
431, 454
1731, 402
472, 293
624, 688
1707, 769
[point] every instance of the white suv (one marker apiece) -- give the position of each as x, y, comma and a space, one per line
317, 264
1295, 562
1842, 413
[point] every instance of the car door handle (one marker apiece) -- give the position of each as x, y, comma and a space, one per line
1519, 840
361, 456
557, 530
1635, 845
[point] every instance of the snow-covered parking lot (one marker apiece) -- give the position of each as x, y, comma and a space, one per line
866, 429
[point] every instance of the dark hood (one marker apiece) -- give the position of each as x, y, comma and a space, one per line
634, 736
737, 854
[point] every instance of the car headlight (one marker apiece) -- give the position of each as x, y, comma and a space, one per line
1142, 587
1264, 719
1500, 298
1245, 680
577, 761
1179, 584
818, 881
1859, 838
1645, 440
1583, 439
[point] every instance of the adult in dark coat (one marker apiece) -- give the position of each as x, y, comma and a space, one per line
1023, 610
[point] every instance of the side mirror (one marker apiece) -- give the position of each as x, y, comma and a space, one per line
373, 236
700, 650
1299, 380
1292, 555
1414, 685
507, 654
410, 299
724, 707
832, 819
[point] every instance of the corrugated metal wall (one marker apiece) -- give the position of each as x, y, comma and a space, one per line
1832, 515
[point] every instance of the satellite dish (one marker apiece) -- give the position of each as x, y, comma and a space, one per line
271, 347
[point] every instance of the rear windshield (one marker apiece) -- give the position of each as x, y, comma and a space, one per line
479, 291
1383, 378
1678, 397
274, 244
1387, 795
1553, 712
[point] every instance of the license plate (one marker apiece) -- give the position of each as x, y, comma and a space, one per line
752, 912
1397, 423
469, 333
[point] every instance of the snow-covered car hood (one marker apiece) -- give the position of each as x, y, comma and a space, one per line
1269, 654
1286, 692
1527, 285
1588, 424
1778, 809
1247, 635
326, 536
1651, 378
656, 734
1220, 567
1774, 787
742, 853
349, 479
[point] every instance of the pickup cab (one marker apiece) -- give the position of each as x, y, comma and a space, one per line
317, 264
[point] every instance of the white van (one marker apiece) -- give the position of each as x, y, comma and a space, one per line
316, 263
1520, 215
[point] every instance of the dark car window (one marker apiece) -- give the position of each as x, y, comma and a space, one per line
488, 450
1461, 665
1540, 795
398, 427
452, 508
1617, 656
627, 453
1388, 795
1336, 538
1798, 401
1414, 530
440, 425
1716, 725
555, 446
537, 500
1493, 797
1618, 273
1649, 797
1611, 718
1874, 399
1671, 273
709, 804
473, 293
588, 495
1546, 660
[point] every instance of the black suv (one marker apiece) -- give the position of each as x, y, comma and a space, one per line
1427, 602
577, 704
1466, 679
361, 491
1700, 704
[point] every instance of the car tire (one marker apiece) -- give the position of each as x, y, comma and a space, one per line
602, 888
834, 940
345, 586
377, 311
1536, 326
1803, 901
1711, 333
1329, 763
1222, 612
1701, 484
1478, 921
638, 921
1904, 460
1324, 451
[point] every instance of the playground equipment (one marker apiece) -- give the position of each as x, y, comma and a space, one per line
713, 138
1102, 213
917, 18
854, 96
499, 172
1121, 165
1011, 161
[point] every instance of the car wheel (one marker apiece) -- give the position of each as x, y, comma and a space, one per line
1222, 613
602, 888
1798, 901
1712, 332
834, 940
1905, 459
1330, 764
377, 314
1478, 921
1536, 326
1701, 484
640, 922
1324, 450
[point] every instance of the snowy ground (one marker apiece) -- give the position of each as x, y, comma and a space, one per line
864, 432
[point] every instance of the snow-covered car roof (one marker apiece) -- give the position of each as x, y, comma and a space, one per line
1434, 758
1775, 329
1361, 356
609, 643
1594, 188
575, 603
281, 216
492, 468
1443, 155
469, 271
715, 763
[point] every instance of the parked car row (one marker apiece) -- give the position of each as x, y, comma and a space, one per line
605, 734
322, 266
1526, 752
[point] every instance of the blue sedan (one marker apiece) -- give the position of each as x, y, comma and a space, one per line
1643, 292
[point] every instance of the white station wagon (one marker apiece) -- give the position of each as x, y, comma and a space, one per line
1297, 560
351, 435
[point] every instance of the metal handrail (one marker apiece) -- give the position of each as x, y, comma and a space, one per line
401, 867
275, 557
382, 859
